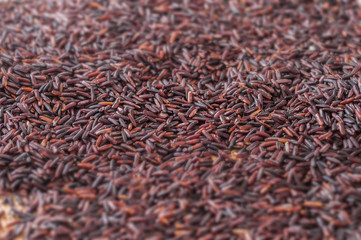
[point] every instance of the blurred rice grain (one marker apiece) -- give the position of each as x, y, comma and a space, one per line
7, 218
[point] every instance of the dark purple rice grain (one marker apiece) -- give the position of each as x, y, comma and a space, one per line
181, 119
